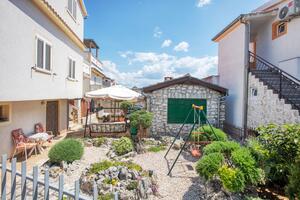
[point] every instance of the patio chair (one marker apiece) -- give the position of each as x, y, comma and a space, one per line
22, 144
39, 128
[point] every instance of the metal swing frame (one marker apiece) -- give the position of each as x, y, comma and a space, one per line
198, 121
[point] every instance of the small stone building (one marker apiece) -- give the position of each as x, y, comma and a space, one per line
171, 101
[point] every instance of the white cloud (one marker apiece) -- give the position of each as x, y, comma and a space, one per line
157, 33
153, 67
166, 43
202, 3
182, 46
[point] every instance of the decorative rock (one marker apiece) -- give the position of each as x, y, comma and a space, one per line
123, 174
54, 171
178, 144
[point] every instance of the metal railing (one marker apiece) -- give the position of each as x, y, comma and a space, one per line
36, 186
284, 79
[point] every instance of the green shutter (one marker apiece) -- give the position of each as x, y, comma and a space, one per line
178, 110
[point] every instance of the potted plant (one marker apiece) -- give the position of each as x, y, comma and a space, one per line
140, 121
125, 106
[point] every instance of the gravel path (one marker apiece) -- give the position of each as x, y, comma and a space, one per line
184, 181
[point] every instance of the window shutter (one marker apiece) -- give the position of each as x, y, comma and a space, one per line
40, 54
48, 57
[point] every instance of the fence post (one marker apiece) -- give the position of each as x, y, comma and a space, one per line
76, 190
116, 196
46, 188
95, 191
13, 179
61, 187
3, 177
23, 181
35, 183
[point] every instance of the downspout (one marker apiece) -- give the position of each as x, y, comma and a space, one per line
246, 80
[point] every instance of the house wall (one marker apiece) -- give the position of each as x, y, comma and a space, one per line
18, 82
267, 108
231, 69
157, 103
24, 114
284, 51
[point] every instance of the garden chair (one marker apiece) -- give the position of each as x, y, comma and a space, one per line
22, 144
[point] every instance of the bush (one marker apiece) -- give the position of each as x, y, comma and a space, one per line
66, 150
122, 146
141, 119
132, 185
293, 187
209, 165
212, 134
99, 141
232, 179
108, 196
156, 149
125, 106
232, 164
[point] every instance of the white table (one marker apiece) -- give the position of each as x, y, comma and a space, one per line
40, 138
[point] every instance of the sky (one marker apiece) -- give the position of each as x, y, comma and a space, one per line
142, 41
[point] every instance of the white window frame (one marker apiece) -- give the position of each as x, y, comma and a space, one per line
71, 12
45, 43
9, 113
73, 69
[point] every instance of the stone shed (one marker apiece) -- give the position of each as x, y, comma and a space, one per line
171, 101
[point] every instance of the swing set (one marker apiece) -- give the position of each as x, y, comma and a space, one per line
195, 143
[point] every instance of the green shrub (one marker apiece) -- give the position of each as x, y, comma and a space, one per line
232, 179
99, 141
212, 134
122, 146
126, 105
103, 165
132, 185
141, 118
108, 196
156, 148
221, 147
66, 150
257, 150
209, 165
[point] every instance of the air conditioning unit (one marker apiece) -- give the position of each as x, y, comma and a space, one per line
289, 10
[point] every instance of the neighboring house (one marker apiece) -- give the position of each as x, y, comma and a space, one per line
214, 79
259, 63
41, 64
171, 101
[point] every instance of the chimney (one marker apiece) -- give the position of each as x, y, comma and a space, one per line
168, 78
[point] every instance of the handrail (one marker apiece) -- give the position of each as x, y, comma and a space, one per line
264, 65
274, 67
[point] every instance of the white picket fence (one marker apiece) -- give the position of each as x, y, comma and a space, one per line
36, 185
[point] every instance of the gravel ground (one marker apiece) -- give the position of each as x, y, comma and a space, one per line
183, 184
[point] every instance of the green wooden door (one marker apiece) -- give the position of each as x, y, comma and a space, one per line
178, 110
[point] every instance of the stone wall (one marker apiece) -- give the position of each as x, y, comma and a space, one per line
266, 107
157, 102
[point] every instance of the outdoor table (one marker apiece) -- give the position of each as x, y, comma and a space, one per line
39, 138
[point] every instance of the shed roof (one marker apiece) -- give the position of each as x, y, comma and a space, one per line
188, 80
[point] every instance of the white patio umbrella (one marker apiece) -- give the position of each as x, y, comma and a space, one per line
115, 92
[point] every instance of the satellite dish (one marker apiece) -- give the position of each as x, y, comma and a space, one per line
283, 12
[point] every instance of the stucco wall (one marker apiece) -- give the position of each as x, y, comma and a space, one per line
24, 115
232, 62
267, 108
284, 51
158, 104
21, 23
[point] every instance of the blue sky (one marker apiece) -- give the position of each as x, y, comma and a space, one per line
141, 41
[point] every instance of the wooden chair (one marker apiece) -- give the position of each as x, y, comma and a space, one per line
22, 144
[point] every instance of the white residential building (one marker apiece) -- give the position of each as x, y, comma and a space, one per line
264, 84
41, 64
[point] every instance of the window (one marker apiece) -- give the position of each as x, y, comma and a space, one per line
72, 8
279, 29
5, 113
253, 92
43, 54
178, 110
71, 68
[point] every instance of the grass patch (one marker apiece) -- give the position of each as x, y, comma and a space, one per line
101, 166
156, 149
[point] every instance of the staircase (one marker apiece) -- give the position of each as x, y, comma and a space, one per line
282, 83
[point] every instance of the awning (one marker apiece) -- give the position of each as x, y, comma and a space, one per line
115, 92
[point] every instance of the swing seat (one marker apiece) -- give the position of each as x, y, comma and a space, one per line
196, 153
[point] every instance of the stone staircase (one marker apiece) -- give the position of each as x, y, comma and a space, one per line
280, 82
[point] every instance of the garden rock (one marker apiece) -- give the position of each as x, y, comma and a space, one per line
123, 174
55, 171
178, 144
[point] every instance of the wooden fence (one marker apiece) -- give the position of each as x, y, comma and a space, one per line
39, 189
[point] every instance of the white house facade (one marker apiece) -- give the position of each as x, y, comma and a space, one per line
259, 63
41, 64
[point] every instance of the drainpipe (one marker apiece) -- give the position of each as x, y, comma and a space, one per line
246, 81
